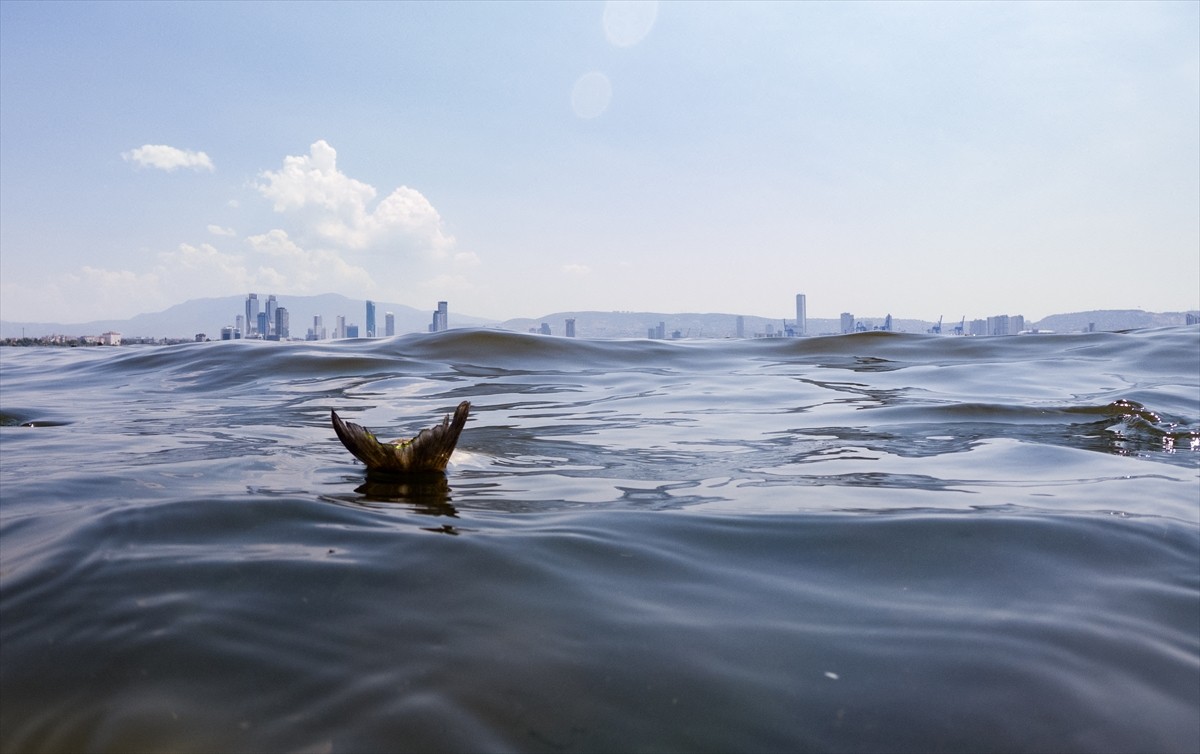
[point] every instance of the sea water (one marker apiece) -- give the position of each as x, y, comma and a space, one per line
874, 542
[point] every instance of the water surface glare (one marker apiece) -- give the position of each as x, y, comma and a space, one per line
879, 542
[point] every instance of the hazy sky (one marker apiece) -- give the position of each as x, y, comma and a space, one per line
520, 159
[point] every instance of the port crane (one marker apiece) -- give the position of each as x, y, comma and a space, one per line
937, 329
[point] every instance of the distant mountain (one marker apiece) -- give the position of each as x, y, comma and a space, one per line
209, 315
1111, 319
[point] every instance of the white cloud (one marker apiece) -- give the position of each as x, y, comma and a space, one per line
578, 270
202, 271
466, 259
444, 284
168, 158
336, 207
269, 261
333, 237
300, 271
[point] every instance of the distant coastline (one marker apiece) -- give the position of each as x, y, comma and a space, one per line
204, 318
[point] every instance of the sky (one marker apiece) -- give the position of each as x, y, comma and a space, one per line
521, 159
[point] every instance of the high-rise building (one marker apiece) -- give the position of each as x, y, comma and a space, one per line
441, 318
389, 324
370, 319
340, 331
801, 314
272, 305
318, 328
887, 323
570, 327
281, 323
251, 314
847, 322
240, 323
351, 331
264, 329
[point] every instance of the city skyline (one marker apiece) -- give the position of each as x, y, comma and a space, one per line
848, 323
683, 156
595, 324
273, 323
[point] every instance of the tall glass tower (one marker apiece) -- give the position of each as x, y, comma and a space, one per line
441, 319
801, 315
370, 319
251, 313
281, 323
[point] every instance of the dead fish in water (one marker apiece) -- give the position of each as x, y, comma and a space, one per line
429, 451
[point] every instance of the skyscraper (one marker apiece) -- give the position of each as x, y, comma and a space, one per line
389, 324
570, 327
251, 314
264, 328
340, 330
370, 319
281, 323
440, 318
801, 315
272, 305
847, 322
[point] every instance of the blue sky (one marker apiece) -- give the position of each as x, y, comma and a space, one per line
520, 159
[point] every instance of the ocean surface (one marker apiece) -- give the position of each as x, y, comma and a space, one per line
873, 542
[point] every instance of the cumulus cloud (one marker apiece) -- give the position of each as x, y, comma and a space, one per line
337, 207
302, 271
269, 261
443, 284
333, 235
203, 270
168, 158
464, 259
